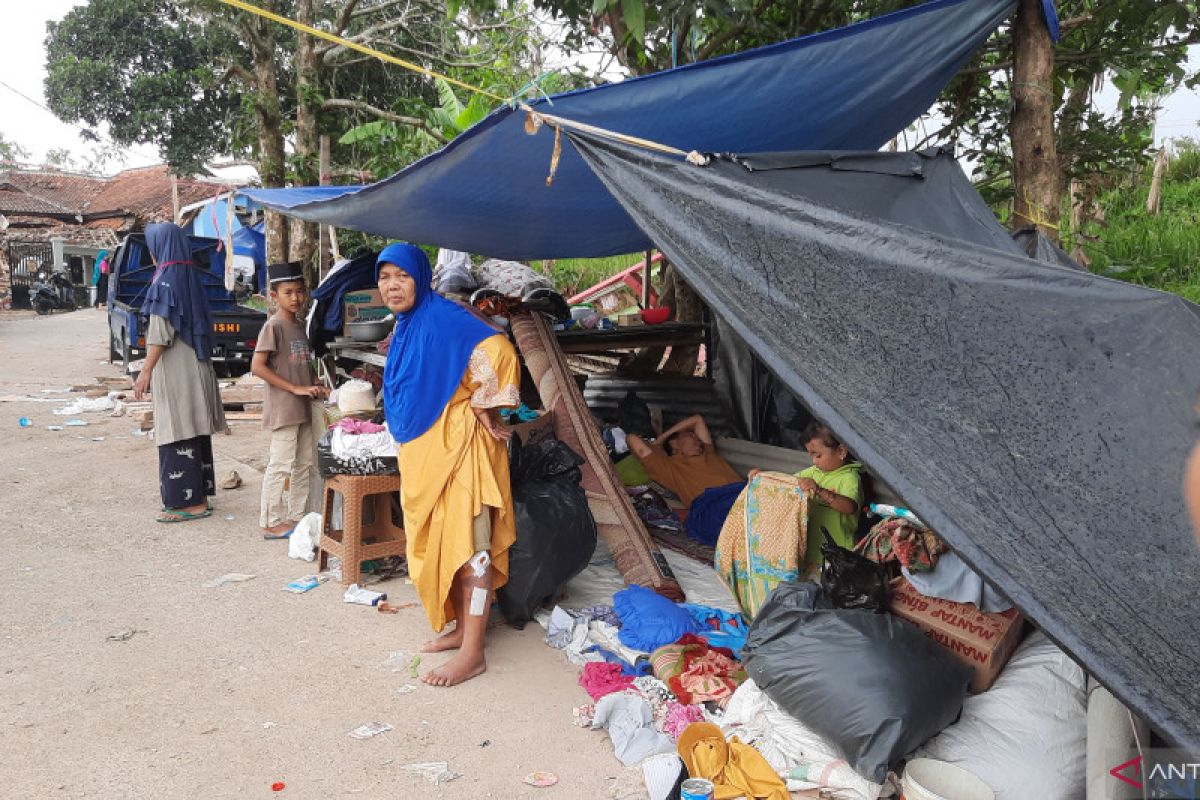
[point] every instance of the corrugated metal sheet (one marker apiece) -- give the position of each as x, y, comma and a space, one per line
678, 397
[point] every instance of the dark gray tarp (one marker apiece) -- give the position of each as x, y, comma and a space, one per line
1035, 245
1038, 417
926, 190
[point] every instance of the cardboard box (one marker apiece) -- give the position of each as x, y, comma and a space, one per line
362, 306
982, 641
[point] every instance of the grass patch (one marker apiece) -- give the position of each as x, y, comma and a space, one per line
573, 275
1161, 251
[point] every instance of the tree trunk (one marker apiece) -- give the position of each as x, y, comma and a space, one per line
304, 235
271, 162
1036, 179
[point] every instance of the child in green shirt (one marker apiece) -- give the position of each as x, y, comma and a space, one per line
834, 487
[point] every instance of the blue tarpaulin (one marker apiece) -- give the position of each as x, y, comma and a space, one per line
852, 88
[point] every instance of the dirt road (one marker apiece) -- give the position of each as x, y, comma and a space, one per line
221, 692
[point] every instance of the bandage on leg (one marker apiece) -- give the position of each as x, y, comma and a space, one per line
479, 598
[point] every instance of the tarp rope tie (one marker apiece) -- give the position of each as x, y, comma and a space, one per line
1038, 219
555, 155
534, 120
536, 83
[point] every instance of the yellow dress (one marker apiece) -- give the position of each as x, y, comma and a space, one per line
450, 473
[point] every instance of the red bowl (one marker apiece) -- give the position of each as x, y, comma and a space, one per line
653, 316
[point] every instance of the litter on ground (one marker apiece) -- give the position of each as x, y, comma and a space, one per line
370, 730
438, 772
229, 577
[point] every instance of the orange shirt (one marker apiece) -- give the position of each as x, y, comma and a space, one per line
689, 476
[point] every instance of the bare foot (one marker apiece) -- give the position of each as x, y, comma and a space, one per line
282, 527
462, 667
450, 641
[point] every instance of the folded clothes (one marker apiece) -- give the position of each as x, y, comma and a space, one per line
640, 667
358, 426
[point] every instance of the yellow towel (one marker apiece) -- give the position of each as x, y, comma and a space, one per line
735, 769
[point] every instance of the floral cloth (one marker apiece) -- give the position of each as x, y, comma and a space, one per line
763, 540
697, 672
899, 540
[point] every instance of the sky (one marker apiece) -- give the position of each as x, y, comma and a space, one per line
22, 70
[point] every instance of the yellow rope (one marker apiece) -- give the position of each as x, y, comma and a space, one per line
534, 119
1037, 211
329, 37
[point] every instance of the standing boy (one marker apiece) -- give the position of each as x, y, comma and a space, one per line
283, 358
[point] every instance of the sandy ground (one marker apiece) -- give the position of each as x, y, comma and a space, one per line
222, 692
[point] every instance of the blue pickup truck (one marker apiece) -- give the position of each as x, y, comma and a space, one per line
235, 327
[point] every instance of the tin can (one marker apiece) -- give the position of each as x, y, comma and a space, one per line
696, 789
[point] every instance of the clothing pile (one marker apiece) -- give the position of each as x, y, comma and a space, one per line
357, 447
697, 672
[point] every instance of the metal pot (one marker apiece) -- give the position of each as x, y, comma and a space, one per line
371, 330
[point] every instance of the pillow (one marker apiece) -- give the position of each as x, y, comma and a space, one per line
632, 472
1027, 735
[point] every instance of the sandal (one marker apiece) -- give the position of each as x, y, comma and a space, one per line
170, 517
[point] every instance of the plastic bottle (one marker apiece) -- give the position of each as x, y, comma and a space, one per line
24, 422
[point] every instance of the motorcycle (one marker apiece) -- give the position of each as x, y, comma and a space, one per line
53, 294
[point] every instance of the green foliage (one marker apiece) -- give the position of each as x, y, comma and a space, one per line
451, 117
1185, 162
1161, 250
147, 68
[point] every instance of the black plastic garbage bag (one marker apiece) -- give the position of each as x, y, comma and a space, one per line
633, 415
851, 580
556, 534
872, 684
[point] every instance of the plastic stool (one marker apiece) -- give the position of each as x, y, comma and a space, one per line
356, 543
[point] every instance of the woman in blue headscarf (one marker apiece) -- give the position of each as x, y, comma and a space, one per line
448, 374
178, 373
